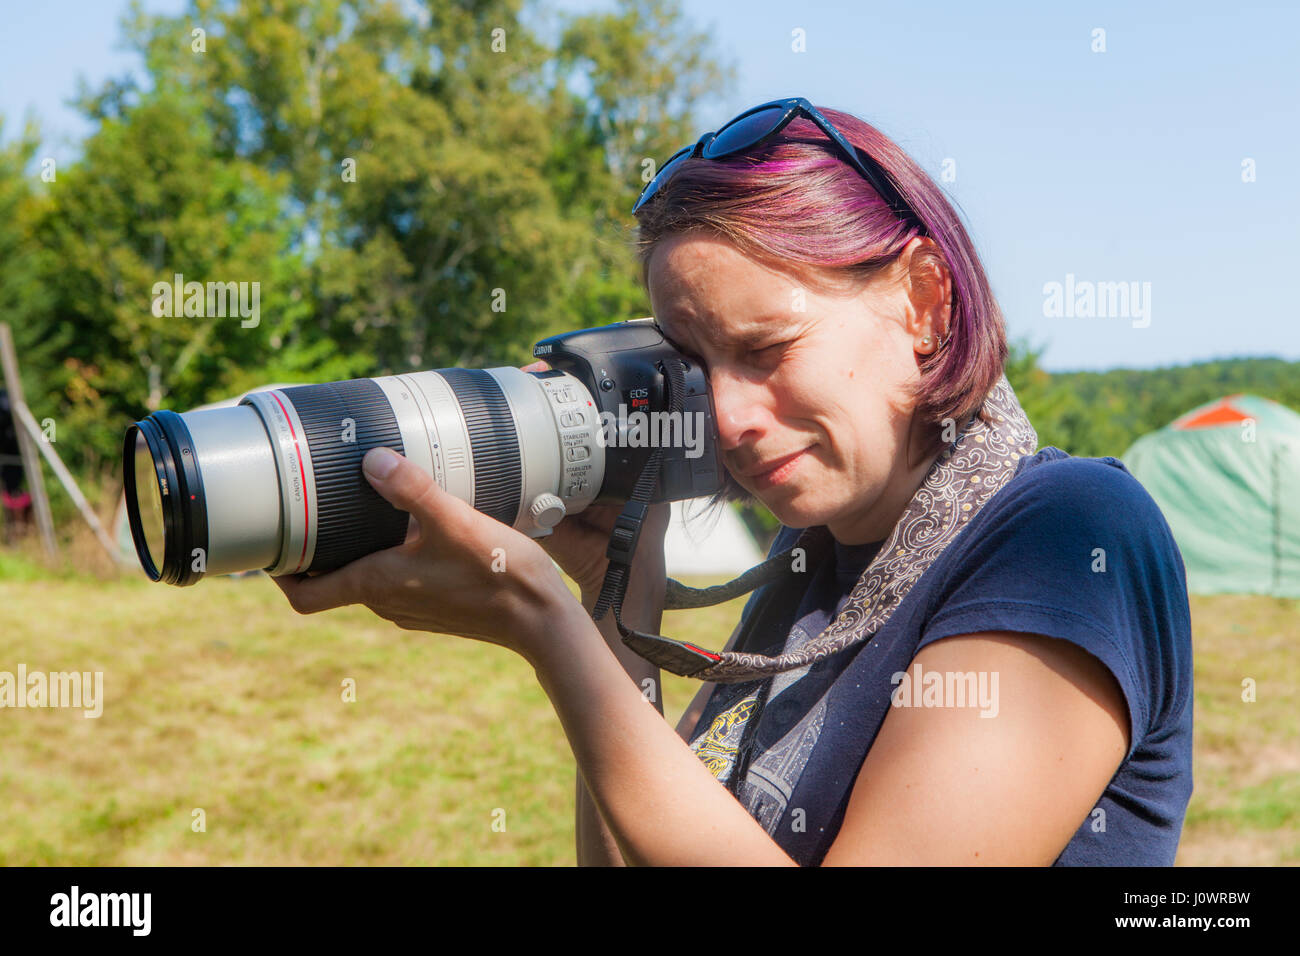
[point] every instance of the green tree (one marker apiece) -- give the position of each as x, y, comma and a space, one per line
25, 296
410, 187
642, 72
459, 199
149, 200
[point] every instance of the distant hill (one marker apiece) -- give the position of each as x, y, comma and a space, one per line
1093, 414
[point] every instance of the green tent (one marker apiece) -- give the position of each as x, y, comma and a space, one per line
1227, 477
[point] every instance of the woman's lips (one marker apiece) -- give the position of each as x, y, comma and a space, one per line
776, 472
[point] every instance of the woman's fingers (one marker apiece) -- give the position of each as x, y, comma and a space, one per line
409, 488
324, 592
406, 487
578, 543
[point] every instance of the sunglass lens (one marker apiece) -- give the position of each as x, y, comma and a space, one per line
744, 132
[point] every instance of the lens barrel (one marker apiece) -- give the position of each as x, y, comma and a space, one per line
342, 421
493, 442
276, 482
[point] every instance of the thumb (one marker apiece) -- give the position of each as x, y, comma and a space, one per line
408, 488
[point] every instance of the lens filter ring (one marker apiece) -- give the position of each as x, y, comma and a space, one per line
180, 487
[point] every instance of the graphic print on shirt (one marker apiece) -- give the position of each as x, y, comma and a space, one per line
775, 769
717, 746
773, 774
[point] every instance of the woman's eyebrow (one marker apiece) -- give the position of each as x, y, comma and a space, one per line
759, 330
764, 329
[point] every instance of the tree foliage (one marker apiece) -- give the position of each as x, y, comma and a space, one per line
410, 186
1097, 414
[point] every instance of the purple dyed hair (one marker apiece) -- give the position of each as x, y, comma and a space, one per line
793, 200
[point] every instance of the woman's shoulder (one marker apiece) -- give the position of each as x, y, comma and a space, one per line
1057, 491
1080, 515
1075, 549
1052, 470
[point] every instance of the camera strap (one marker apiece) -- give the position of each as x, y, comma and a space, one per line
977, 464
676, 656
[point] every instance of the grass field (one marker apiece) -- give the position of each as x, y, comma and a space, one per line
218, 698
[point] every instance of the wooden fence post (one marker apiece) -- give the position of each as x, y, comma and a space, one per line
31, 459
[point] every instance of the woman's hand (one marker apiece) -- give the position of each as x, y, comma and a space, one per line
458, 572
578, 546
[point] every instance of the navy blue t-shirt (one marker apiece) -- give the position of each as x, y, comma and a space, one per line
1070, 548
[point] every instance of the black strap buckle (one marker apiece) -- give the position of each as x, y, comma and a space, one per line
626, 533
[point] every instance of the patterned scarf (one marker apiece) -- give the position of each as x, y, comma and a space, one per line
970, 471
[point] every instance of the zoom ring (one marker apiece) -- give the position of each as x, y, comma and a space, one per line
493, 442
343, 421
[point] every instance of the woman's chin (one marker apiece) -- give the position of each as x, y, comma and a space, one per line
799, 511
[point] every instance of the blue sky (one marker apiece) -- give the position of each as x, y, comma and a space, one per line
1123, 166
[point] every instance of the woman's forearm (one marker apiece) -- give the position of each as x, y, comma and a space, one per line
595, 843
660, 803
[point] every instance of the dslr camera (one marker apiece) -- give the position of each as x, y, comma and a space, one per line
275, 482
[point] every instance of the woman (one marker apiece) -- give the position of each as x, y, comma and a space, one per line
980, 655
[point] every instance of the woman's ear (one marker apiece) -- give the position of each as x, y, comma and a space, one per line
929, 288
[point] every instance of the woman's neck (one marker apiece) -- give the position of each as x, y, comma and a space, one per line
874, 524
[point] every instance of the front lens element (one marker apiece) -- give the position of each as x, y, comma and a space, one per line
148, 501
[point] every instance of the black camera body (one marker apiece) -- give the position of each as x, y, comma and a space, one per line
622, 367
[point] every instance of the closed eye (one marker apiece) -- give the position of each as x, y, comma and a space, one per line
685, 352
771, 352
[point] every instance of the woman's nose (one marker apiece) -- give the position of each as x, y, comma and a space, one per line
739, 409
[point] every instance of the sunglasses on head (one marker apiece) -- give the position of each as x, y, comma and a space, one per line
760, 123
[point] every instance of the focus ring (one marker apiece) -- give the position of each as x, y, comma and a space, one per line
343, 421
493, 442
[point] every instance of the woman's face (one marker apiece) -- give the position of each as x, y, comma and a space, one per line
808, 382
